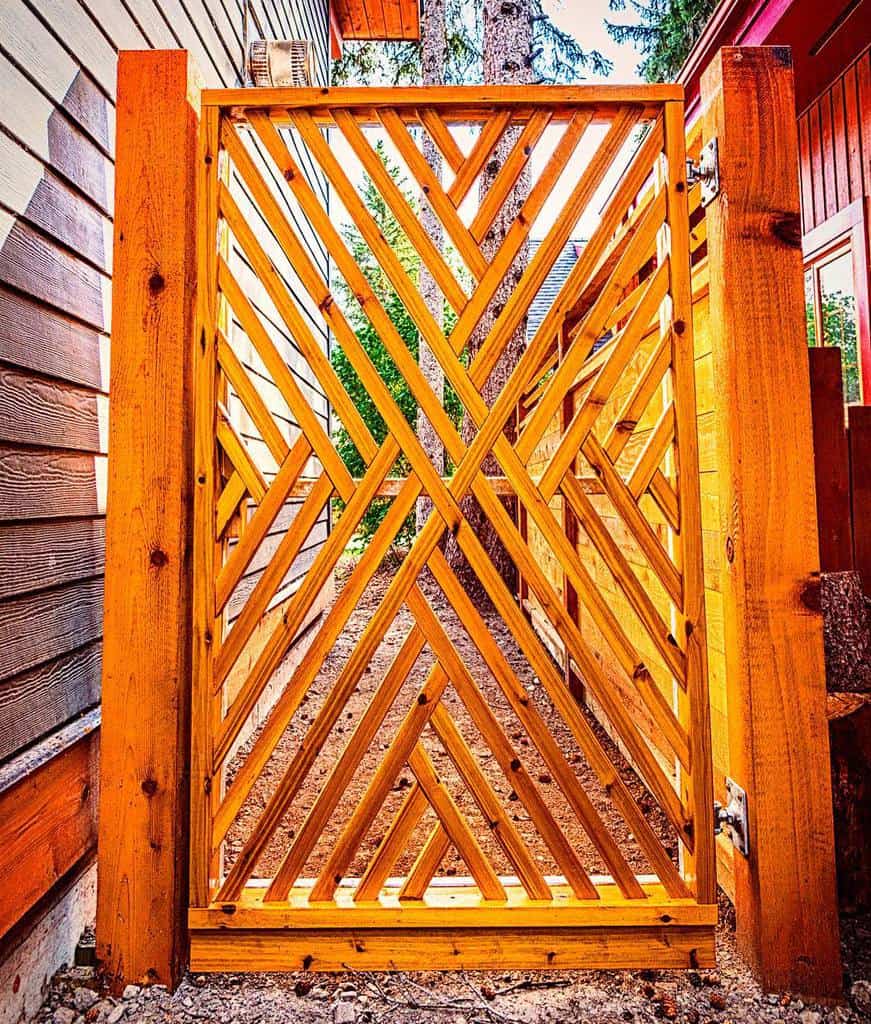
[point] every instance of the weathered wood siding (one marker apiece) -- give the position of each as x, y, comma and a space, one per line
834, 135
57, 130
57, 80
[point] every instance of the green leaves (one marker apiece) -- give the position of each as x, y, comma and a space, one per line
664, 32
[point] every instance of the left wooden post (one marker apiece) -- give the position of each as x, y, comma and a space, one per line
144, 801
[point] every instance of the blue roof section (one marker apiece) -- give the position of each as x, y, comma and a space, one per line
538, 310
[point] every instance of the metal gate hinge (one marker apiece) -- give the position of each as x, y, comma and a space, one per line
707, 172
733, 818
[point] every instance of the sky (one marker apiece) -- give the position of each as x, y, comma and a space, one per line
585, 20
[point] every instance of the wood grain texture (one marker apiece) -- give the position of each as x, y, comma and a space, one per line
785, 892
831, 460
143, 810
43, 698
47, 824
859, 420
448, 949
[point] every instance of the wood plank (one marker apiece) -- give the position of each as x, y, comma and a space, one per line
475, 98
36, 627
449, 949
47, 824
145, 761
778, 737
39, 339
32, 264
50, 414
831, 460
35, 702
37, 485
860, 487
37, 556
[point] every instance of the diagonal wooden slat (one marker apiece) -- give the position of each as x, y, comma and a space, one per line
455, 825
228, 502
438, 199
442, 136
250, 398
650, 457
484, 145
241, 459
393, 845
426, 864
508, 174
408, 220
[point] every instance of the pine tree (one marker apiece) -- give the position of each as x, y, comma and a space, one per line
664, 33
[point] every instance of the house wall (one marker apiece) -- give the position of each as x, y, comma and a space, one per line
834, 134
57, 124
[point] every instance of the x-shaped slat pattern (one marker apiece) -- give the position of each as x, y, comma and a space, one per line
247, 498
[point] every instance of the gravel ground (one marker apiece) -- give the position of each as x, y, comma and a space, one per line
727, 996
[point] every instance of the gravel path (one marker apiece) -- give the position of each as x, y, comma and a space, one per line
726, 996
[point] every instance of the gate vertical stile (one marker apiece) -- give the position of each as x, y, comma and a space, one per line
703, 868
573, 916
204, 794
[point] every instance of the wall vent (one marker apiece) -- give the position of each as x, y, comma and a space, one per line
280, 63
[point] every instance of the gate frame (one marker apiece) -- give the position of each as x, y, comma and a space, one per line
144, 821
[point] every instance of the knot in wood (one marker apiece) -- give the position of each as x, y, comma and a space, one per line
156, 283
149, 787
679, 327
158, 558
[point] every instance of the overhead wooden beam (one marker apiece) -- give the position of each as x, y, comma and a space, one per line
143, 842
785, 897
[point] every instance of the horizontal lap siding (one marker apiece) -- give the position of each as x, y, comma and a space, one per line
57, 128
835, 145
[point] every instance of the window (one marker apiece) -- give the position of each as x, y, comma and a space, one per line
836, 296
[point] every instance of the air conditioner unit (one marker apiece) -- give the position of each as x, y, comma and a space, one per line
279, 63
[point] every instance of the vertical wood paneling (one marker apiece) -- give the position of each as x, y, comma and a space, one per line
835, 145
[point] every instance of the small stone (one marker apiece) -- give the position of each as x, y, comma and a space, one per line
116, 1014
63, 1015
302, 987
810, 1017
860, 996
130, 992
84, 999
718, 1001
344, 1013
319, 993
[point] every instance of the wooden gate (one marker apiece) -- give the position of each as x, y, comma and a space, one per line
549, 909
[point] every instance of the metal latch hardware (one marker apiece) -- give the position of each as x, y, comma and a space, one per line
733, 818
707, 172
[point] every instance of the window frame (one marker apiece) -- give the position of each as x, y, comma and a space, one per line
846, 231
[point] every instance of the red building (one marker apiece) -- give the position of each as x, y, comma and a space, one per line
832, 62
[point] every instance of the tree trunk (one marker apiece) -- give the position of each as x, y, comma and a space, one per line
507, 51
434, 54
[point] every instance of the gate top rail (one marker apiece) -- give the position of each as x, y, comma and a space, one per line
468, 104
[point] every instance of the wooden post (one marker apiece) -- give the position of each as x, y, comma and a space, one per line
143, 823
785, 897
831, 460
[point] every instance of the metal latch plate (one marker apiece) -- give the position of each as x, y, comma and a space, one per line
709, 172
733, 819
